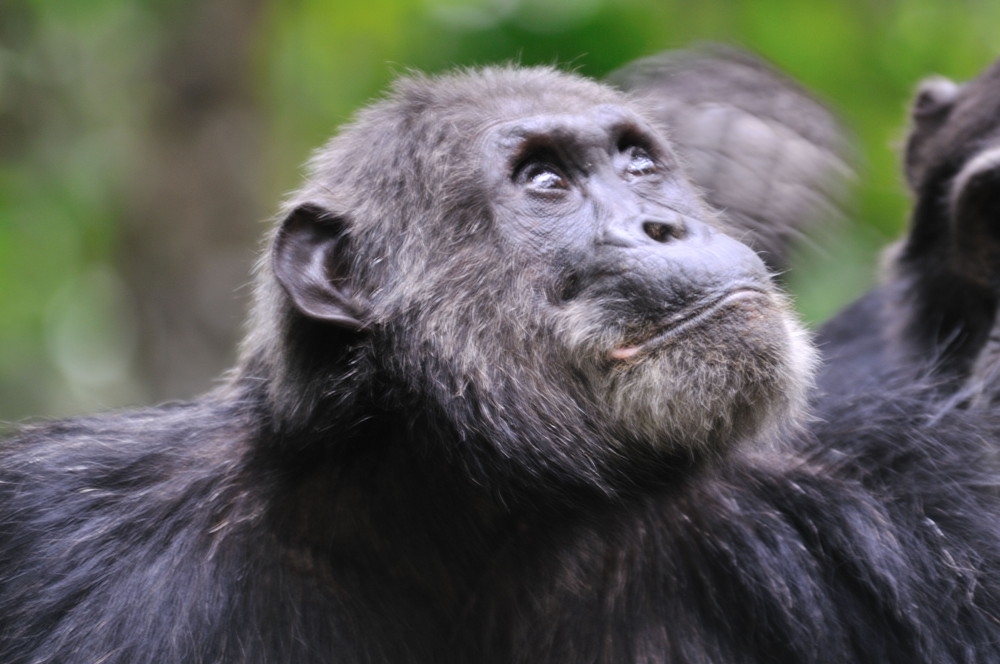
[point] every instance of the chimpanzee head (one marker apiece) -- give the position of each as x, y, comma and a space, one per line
953, 166
510, 264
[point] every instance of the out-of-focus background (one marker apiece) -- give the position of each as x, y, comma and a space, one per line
144, 144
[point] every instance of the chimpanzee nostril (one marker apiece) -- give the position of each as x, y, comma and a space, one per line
660, 231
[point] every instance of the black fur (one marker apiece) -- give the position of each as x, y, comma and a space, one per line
935, 314
419, 458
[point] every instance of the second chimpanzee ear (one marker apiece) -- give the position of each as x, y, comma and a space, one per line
311, 259
929, 111
935, 96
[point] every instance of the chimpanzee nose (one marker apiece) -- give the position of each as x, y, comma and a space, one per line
644, 230
664, 230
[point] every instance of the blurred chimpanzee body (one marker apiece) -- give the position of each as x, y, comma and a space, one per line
509, 395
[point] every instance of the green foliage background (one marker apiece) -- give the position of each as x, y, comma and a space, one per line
76, 84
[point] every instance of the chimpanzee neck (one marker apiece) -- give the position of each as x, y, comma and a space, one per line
391, 502
365, 504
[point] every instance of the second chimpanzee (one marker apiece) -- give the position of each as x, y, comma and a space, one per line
935, 315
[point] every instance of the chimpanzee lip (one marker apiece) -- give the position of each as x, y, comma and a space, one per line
689, 318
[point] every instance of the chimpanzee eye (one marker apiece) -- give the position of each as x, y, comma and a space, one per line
640, 163
543, 176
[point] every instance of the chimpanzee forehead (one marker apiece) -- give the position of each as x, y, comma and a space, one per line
594, 125
564, 100
499, 93
554, 112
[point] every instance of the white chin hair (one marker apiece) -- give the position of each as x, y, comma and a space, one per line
742, 374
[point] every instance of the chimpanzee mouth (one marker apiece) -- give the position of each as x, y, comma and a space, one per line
688, 319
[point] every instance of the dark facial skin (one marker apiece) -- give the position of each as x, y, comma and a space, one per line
601, 197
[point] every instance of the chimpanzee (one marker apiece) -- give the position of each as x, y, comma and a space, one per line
935, 315
510, 394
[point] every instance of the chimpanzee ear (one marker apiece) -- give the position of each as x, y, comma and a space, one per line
311, 259
936, 95
929, 111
